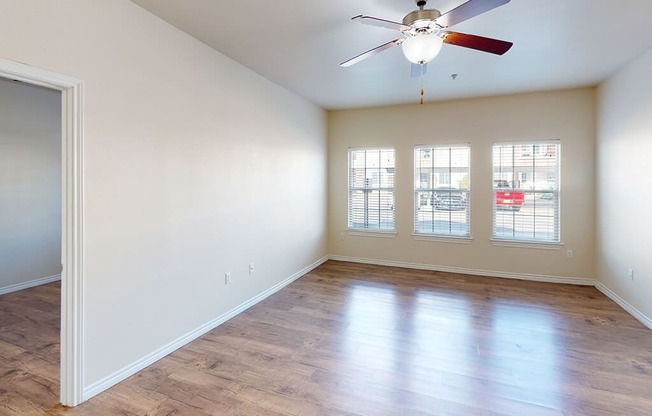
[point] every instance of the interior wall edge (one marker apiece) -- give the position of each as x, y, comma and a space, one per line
623, 231
131, 369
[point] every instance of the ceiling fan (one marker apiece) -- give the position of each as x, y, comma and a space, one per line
425, 31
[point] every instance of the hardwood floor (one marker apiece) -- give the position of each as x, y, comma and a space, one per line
350, 339
29, 350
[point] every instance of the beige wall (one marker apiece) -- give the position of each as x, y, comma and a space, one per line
565, 115
193, 166
624, 184
30, 185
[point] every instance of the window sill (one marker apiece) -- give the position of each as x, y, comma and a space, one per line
526, 244
442, 239
371, 233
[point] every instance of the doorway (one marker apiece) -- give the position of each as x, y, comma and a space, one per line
71, 336
30, 245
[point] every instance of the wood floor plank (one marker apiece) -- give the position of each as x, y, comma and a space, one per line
359, 340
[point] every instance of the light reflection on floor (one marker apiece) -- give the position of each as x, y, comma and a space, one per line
440, 346
523, 345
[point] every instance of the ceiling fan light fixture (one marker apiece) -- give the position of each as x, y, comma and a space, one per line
421, 49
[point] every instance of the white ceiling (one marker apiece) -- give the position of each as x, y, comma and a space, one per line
299, 45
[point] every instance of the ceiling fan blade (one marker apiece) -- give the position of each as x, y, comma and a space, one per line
375, 21
495, 46
416, 70
371, 52
468, 10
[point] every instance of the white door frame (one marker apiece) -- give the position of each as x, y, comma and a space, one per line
72, 231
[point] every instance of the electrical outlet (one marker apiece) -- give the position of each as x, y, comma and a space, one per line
252, 268
570, 254
341, 236
630, 273
227, 278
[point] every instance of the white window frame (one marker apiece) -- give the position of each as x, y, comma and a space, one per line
542, 201
380, 184
453, 209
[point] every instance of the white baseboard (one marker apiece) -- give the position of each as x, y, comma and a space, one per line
582, 281
135, 367
624, 304
31, 283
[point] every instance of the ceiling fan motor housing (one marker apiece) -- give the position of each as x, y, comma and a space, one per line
422, 21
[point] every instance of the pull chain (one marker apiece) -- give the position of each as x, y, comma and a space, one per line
421, 101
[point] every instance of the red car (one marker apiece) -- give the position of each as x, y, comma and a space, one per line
507, 197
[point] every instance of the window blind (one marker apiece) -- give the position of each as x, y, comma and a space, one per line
371, 189
526, 182
442, 191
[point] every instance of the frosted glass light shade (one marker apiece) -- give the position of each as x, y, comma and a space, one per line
421, 49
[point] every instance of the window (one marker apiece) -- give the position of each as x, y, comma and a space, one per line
371, 189
442, 191
526, 191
